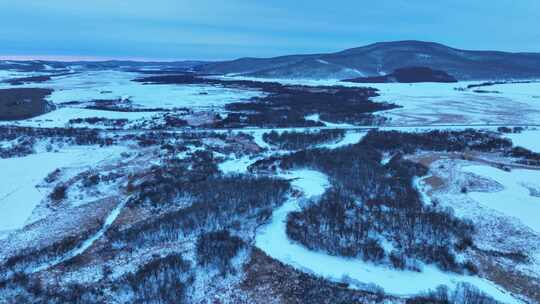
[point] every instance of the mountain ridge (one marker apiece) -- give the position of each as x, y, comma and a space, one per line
382, 58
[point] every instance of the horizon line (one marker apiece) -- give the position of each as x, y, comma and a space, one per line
91, 58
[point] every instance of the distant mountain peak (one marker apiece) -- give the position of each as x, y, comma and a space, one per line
383, 58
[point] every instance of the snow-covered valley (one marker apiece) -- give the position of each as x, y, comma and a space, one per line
175, 184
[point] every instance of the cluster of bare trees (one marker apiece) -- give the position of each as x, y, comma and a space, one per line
161, 281
462, 294
23, 139
217, 249
374, 211
302, 140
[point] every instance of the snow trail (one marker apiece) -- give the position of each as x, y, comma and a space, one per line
89, 242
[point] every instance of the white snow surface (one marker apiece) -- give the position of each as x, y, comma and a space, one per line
87, 86
20, 177
524, 91
351, 138
273, 240
258, 139
10, 74
529, 139
59, 118
235, 165
442, 104
317, 118
322, 61
515, 199
311, 182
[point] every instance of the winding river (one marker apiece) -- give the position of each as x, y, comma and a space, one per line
273, 240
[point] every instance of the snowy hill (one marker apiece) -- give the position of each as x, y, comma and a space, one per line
383, 58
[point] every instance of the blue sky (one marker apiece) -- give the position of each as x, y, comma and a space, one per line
213, 29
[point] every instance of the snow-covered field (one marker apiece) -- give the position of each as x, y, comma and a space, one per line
60, 118
502, 207
20, 176
424, 106
440, 103
110, 84
524, 91
443, 104
529, 139
5, 74
87, 86
520, 197
235, 165
114, 85
421, 103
